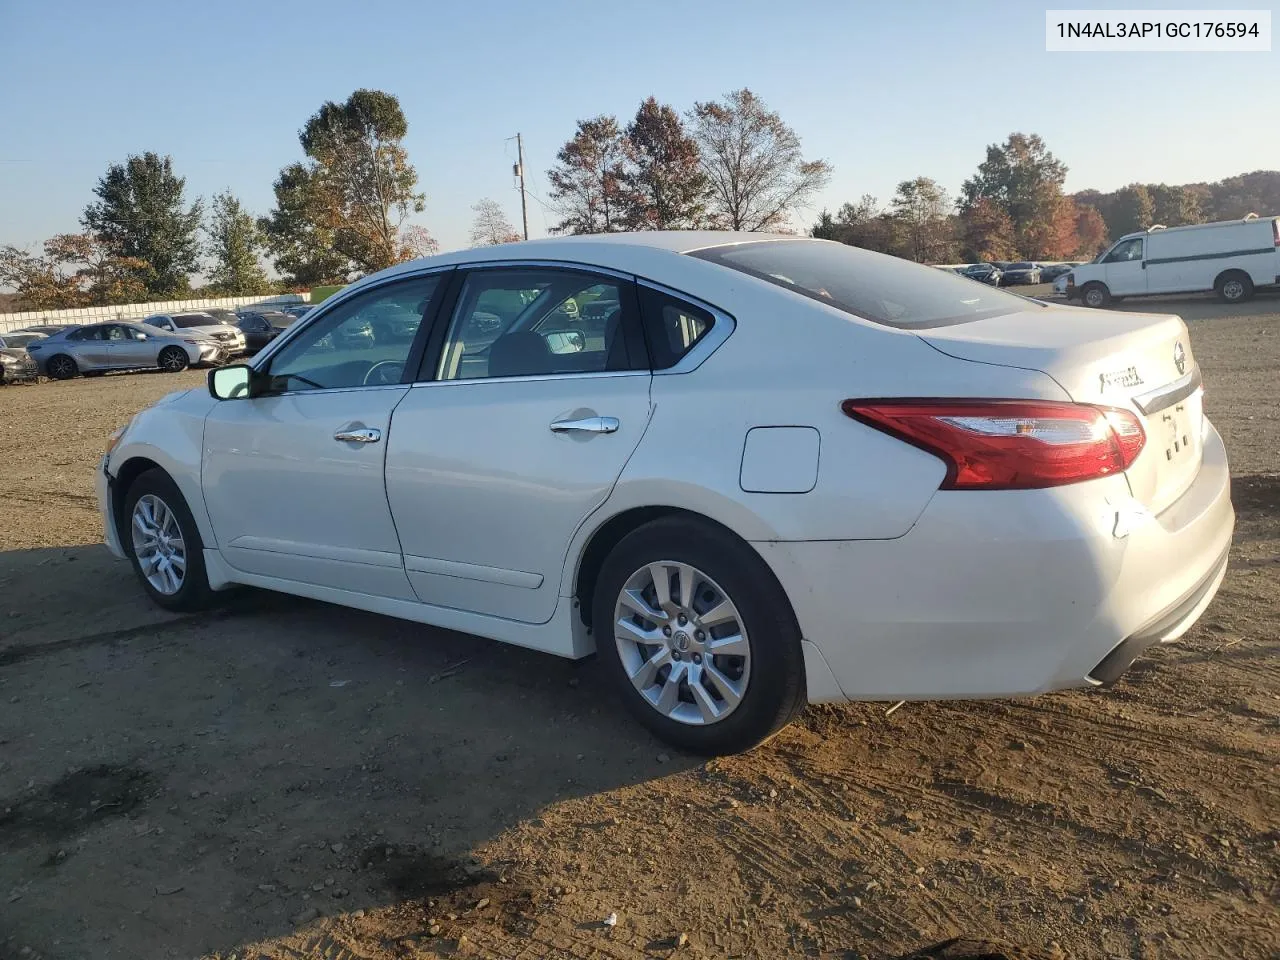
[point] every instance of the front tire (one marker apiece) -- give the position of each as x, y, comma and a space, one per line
1234, 287
173, 359
698, 637
61, 367
1095, 295
163, 542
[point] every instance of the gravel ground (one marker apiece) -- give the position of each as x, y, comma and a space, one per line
287, 779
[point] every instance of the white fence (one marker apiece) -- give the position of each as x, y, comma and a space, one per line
136, 311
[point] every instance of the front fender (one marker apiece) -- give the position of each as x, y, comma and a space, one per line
170, 435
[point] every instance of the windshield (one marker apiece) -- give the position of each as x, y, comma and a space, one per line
186, 320
1022, 266
873, 286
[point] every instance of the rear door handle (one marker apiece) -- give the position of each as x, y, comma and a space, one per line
586, 425
362, 435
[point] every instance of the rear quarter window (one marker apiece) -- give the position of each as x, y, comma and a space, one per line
874, 286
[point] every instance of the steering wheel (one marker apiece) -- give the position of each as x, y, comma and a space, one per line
384, 373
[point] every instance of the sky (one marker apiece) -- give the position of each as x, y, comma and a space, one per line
882, 91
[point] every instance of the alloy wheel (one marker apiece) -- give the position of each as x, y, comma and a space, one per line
173, 360
682, 643
61, 368
158, 544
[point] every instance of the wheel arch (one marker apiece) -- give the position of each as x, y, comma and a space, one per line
138, 460
607, 534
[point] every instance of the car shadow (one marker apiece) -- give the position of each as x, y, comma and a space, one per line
203, 781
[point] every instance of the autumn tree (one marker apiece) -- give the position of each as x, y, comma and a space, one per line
1131, 210
300, 241
666, 188
588, 183
987, 232
354, 192
416, 241
141, 215
75, 270
922, 211
491, 225
756, 173
1091, 232
234, 243
1023, 179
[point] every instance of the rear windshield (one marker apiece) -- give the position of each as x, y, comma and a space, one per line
195, 320
873, 286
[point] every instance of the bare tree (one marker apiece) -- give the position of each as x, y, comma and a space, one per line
588, 185
753, 163
491, 225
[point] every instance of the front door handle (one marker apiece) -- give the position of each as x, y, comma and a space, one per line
362, 435
586, 425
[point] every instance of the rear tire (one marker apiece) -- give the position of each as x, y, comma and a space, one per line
173, 359
61, 367
1234, 286
164, 532
720, 703
1095, 295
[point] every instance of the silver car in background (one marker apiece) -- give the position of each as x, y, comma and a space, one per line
99, 347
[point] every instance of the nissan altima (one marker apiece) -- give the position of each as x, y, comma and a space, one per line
747, 471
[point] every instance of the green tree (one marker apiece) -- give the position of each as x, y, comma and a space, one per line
234, 242
1131, 210
922, 210
588, 183
1023, 179
298, 236
664, 185
1174, 206
141, 215
354, 193
757, 175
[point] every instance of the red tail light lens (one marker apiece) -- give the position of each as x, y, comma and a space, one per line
1010, 444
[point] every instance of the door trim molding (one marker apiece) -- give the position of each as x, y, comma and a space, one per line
317, 551
473, 571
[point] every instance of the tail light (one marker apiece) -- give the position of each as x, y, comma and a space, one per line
1010, 444
1275, 230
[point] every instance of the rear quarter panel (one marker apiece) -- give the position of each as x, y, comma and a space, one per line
791, 361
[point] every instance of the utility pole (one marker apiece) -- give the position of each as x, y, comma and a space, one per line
519, 172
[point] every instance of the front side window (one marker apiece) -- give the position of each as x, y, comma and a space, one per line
534, 322
873, 286
349, 347
162, 322
1125, 251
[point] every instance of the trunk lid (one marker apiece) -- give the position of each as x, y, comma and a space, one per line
1142, 362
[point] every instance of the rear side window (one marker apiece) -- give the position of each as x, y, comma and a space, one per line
873, 286
672, 326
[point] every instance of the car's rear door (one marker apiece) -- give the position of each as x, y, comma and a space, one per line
523, 420
130, 349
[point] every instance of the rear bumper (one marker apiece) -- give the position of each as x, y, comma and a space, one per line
1013, 592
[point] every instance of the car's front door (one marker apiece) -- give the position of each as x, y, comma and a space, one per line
132, 348
530, 407
1125, 270
293, 476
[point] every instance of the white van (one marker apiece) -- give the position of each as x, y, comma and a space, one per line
1231, 257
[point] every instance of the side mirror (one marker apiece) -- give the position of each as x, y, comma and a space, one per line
231, 383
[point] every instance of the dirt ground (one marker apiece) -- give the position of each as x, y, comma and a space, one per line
286, 779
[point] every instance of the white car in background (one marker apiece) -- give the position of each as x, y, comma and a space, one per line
1231, 257
229, 337
746, 470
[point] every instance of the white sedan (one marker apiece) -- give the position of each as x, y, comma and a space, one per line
746, 470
